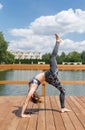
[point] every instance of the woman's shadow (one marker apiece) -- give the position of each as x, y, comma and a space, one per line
18, 109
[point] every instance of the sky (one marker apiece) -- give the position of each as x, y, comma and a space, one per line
30, 25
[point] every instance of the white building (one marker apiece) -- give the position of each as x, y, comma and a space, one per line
27, 55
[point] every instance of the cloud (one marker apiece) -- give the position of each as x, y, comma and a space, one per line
33, 43
63, 22
69, 46
1, 6
39, 34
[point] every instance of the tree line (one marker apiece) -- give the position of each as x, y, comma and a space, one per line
7, 57
70, 57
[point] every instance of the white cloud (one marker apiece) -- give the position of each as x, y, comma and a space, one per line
63, 22
69, 45
33, 43
39, 35
21, 32
1, 6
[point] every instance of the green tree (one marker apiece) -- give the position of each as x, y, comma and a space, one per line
61, 58
3, 48
9, 58
46, 58
73, 57
83, 57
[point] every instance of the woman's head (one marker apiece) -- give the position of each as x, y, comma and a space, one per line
35, 98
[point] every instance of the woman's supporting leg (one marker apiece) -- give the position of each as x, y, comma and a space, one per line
62, 97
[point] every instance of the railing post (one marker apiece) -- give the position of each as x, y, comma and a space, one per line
43, 89
43, 85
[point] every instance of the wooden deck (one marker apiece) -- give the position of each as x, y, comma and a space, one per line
44, 116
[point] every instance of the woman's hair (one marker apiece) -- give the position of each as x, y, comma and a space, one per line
35, 98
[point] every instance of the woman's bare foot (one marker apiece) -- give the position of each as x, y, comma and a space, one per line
58, 38
25, 115
65, 110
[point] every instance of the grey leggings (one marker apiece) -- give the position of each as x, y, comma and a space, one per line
53, 62
52, 75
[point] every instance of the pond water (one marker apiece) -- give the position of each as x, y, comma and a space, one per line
76, 90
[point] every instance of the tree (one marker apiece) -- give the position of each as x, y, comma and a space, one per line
73, 57
3, 48
83, 57
61, 58
46, 58
9, 58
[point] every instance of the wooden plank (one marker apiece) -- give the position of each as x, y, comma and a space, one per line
67, 122
39, 67
34, 118
45, 115
24, 67
73, 82
77, 124
56, 113
76, 110
41, 117
82, 98
23, 122
71, 67
4, 111
78, 98
13, 82
43, 83
18, 122
78, 105
49, 115
43, 89
10, 115
15, 113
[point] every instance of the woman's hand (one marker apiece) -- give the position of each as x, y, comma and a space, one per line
25, 115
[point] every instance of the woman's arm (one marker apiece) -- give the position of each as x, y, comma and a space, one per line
33, 87
24, 107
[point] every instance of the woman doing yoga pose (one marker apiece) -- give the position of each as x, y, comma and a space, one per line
50, 76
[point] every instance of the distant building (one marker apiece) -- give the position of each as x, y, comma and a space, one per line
27, 55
